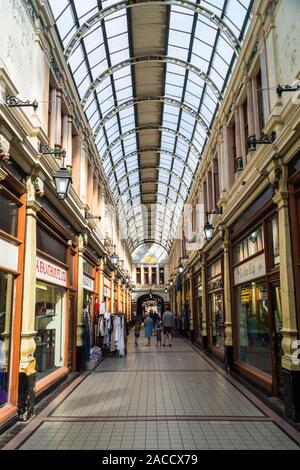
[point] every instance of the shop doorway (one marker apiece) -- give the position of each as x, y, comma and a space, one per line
277, 353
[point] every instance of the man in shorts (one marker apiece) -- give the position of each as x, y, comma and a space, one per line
168, 320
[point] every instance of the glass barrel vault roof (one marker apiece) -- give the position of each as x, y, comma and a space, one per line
203, 39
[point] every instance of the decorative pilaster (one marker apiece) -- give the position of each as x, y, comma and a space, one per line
204, 306
112, 292
27, 367
82, 243
250, 111
290, 367
101, 281
227, 302
191, 304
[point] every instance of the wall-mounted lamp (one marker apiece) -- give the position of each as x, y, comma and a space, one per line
253, 236
62, 178
265, 139
114, 257
208, 228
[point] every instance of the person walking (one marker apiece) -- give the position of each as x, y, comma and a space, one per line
137, 329
148, 325
158, 331
168, 320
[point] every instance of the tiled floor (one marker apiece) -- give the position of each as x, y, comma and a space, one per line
157, 398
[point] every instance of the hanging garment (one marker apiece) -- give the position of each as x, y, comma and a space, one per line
86, 336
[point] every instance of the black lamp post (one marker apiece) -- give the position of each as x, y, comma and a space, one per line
180, 268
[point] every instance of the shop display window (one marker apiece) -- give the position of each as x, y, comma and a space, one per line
275, 242
6, 307
217, 318
253, 326
250, 246
49, 327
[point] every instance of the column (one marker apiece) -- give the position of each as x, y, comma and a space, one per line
70, 143
67, 139
112, 292
119, 291
83, 176
290, 368
250, 109
227, 303
94, 207
82, 242
101, 280
90, 186
238, 142
229, 158
53, 112
58, 120
204, 304
191, 305
28, 345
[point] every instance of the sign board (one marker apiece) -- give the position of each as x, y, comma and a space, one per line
88, 283
8, 255
49, 272
250, 270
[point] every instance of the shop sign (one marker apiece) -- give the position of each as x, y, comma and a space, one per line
106, 291
8, 255
88, 283
49, 272
250, 270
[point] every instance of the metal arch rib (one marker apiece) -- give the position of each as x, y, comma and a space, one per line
147, 241
152, 127
153, 167
148, 192
101, 14
145, 193
148, 150
145, 99
151, 58
168, 218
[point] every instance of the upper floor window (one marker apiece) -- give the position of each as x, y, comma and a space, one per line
153, 275
249, 246
146, 275
8, 213
138, 276
161, 275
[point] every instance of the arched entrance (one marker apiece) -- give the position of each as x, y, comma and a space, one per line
145, 305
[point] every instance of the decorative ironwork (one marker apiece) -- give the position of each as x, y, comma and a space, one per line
267, 139
89, 216
14, 102
55, 68
46, 150
30, 9
287, 88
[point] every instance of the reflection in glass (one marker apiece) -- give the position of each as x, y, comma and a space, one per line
253, 326
48, 324
6, 304
217, 319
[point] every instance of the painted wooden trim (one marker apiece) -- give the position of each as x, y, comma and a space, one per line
46, 382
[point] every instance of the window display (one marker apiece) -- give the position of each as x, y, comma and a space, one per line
6, 304
49, 327
253, 326
217, 322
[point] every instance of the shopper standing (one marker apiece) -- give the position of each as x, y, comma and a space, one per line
137, 329
148, 325
168, 320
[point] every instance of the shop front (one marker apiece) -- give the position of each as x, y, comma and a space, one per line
55, 295
256, 304
12, 234
215, 307
107, 293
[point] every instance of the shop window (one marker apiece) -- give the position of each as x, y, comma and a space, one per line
250, 246
146, 276
161, 275
260, 102
153, 276
6, 305
87, 268
253, 327
217, 318
275, 242
138, 276
50, 245
8, 215
49, 326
